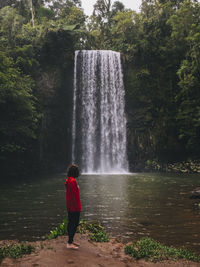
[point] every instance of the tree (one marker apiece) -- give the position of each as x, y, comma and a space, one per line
58, 5
4, 3
32, 13
151, 81
73, 15
186, 32
102, 21
124, 32
117, 7
11, 25
19, 117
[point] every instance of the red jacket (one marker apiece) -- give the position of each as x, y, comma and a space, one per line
73, 202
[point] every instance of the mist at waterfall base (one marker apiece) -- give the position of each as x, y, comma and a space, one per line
99, 122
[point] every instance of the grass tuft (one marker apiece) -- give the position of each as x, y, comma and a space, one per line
15, 251
95, 230
154, 251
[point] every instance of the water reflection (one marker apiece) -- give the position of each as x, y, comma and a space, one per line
129, 206
155, 205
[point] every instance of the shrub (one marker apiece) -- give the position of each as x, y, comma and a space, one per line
152, 250
15, 251
58, 231
94, 230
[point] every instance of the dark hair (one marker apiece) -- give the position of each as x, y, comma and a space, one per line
73, 171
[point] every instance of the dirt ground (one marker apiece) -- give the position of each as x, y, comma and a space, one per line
53, 253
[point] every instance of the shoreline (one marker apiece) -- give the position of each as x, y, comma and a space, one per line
184, 167
53, 252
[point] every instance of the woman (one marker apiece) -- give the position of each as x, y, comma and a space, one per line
73, 203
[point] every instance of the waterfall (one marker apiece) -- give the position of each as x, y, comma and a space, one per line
99, 122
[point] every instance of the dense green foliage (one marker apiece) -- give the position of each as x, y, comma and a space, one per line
15, 251
35, 92
161, 112
152, 250
94, 230
160, 48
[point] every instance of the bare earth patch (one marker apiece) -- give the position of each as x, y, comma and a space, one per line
53, 253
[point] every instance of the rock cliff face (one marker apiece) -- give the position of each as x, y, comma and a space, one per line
55, 90
55, 94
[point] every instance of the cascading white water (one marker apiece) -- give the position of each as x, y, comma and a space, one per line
99, 122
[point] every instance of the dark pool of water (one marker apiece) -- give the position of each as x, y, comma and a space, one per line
129, 206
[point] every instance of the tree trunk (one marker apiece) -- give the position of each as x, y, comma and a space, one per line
32, 13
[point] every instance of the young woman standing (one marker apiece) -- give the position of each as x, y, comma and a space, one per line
73, 203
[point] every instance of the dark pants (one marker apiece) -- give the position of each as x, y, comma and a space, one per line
73, 222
